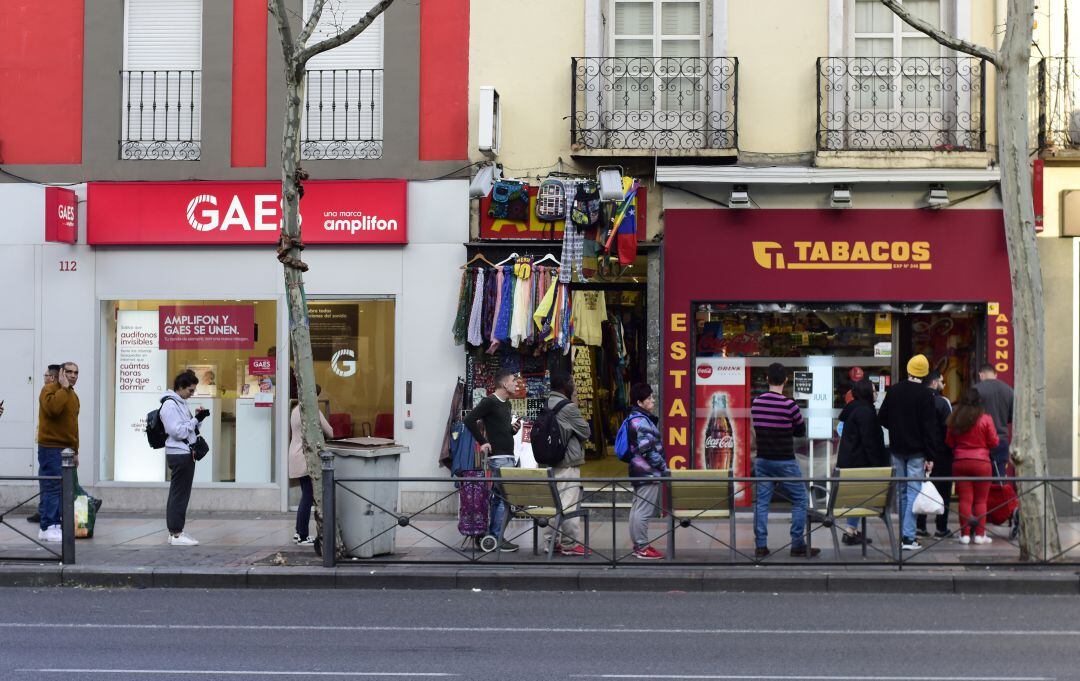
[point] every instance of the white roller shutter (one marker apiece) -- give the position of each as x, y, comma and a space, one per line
162, 84
345, 85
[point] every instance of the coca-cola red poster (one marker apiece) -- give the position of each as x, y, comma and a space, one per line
721, 418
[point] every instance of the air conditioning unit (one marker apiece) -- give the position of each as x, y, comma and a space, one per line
490, 121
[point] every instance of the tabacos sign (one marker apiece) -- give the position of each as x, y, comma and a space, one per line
239, 213
843, 255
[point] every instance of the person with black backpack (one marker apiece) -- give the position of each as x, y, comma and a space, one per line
574, 432
182, 431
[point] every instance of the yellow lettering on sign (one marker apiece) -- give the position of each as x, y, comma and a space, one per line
901, 251
678, 322
677, 374
840, 251
1001, 319
920, 251
1001, 342
1001, 354
1003, 330
879, 251
859, 253
803, 247
677, 463
678, 408
819, 252
1001, 367
677, 436
678, 350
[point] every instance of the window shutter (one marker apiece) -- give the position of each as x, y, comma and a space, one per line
163, 34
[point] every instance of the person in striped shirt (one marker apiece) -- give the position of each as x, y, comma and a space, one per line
777, 422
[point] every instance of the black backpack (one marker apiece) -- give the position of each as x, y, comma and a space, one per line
547, 440
155, 429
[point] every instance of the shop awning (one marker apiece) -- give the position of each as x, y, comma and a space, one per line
803, 175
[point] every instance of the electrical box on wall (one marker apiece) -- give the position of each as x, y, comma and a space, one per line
490, 122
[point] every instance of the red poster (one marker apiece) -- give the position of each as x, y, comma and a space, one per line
61, 208
262, 366
206, 327
491, 228
238, 213
721, 419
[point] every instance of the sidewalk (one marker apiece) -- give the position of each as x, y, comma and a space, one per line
257, 551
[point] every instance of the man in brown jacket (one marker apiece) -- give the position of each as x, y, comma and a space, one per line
58, 429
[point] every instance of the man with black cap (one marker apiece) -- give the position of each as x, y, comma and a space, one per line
942, 459
909, 416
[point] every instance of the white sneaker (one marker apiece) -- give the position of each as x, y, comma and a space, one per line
182, 539
966, 540
302, 542
54, 533
983, 539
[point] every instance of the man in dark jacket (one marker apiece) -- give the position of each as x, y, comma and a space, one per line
908, 414
575, 432
942, 459
497, 444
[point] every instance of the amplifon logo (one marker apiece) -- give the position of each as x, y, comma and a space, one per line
343, 367
204, 216
843, 255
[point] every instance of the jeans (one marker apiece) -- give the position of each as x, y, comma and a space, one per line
303, 511
911, 467
182, 467
795, 492
1000, 455
51, 490
972, 495
497, 505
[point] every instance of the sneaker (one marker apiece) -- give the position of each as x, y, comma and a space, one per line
910, 544
508, 547
941, 534
805, 552
648, 553
302, 541
983, 539
854, 539
921, 533
35, 518
54, 534
575, 550
965, 539
96, 503
761, 552
182, 539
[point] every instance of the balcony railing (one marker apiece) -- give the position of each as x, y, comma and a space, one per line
343, 114
1058, 82
658, 104
901, 104
160, 115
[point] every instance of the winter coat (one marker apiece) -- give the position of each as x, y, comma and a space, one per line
297, 463
862, 444
976, 443
643, 439
181, 428
908, 412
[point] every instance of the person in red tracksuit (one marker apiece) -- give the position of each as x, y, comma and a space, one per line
971, 436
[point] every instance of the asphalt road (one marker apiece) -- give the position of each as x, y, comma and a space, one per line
255, 635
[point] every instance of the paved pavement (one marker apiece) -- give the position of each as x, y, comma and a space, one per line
170, 635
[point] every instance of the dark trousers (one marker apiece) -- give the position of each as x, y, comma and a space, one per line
182, 467
51, 490
303, 511
945, 489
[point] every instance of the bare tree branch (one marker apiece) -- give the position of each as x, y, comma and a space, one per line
949, 41
347, 35
288, 48
312, 22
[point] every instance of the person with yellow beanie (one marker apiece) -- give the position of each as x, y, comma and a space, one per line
908, 414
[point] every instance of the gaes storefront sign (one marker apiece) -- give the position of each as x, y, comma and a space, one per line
236, 213
206, 327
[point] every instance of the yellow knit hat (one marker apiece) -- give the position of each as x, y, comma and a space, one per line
918, 366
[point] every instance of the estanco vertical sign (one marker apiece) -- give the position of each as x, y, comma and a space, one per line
239, 213
805, 256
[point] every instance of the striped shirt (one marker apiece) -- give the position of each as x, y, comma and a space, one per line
777, 421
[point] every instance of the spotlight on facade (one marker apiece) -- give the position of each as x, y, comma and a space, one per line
740, 197
485, 179
610, 180
938, 195
841, 196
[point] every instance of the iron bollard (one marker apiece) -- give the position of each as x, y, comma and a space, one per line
67, 514
329, 515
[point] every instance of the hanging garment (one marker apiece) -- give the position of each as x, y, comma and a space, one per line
590, 311
491, 297
477, 313
499, 303
573, 239
567, 320
544, 312
519, 322
461, 319
506, 309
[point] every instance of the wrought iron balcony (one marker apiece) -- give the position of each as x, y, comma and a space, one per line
160, 115
1058, 84
654, 104
343, 110
901, 104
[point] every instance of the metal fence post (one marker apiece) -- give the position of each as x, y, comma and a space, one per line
67, 514
329, 526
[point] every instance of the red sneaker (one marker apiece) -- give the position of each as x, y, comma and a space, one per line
575, 550
648, 553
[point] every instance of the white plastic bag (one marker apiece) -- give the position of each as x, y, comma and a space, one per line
929, 501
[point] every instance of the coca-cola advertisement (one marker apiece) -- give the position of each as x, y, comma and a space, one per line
721, 419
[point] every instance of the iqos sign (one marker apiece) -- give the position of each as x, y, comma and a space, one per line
343, 363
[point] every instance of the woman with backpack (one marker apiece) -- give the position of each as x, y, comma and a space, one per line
182, 431
645, 457
862, 444
971, 436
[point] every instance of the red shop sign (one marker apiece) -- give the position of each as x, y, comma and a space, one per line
206, 327
491, 228
262, 366
239, 213
61, 211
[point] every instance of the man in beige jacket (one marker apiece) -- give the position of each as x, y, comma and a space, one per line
575, 432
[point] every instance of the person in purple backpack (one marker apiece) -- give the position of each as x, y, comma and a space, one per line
645, 458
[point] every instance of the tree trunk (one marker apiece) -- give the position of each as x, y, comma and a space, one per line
1038, 517
290, 250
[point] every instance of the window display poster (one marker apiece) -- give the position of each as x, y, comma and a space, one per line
141, 379
722, 419
334, 327
820, 402
265, 396
206, 327
207, 373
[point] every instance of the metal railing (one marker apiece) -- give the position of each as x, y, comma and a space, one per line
715, 542
901, 104
1058, 82
654, 103
66, 555
343, 112
160, 115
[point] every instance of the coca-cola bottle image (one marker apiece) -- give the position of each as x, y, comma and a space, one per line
719, 435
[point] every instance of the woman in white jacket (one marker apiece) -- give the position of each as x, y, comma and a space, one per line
182, 430
298, 469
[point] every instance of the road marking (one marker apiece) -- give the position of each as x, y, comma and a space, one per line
233, 672
548, 630
804, 677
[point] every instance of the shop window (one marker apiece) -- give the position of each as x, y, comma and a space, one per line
352, 345
149, 342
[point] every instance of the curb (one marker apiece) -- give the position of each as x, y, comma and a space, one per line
1018, 582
